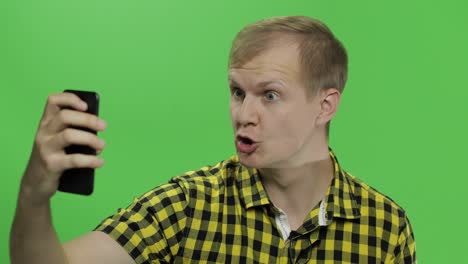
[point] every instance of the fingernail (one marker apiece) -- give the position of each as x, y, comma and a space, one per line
102, 143
102, 124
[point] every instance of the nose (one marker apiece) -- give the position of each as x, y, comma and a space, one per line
247, 112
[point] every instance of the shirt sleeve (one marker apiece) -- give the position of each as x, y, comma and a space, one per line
151, 227
405, 252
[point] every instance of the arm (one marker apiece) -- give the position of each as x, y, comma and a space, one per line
94, 248
33, 238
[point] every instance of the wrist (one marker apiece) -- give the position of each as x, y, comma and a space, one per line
29, 198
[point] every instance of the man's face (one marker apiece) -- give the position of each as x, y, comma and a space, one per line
272, 116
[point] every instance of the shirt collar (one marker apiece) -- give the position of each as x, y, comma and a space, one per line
339, 200
251, 190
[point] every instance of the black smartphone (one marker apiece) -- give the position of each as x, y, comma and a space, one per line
81, 180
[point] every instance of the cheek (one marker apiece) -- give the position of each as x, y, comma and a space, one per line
290, 129
231, 107
284, 131
232, 111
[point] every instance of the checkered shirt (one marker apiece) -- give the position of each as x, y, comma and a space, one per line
222, 214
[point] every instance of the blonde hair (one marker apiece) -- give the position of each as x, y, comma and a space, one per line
323, 58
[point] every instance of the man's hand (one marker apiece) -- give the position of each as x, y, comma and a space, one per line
48, 159
33, 238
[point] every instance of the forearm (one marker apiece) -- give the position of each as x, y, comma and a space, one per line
33, 238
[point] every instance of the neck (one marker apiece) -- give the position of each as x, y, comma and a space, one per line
298, 189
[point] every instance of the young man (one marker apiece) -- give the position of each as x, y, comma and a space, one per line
282, 199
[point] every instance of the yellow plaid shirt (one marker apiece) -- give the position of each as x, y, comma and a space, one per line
222, 214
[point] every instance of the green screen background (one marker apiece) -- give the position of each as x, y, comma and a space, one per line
160, 69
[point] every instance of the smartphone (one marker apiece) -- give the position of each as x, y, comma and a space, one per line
81, 180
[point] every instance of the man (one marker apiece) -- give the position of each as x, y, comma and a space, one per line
282, 199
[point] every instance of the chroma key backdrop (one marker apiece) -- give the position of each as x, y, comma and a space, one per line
160, 68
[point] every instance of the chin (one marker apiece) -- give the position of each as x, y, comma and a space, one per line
257, 161
250, 160
254, 160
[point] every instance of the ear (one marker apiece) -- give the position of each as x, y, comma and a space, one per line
329, 101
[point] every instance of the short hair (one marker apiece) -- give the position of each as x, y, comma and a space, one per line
322, 56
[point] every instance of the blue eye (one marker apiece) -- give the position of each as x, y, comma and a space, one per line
271, 95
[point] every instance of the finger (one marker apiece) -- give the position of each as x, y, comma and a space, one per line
81, 161
57, 163
57, 101
72, 136
67, 117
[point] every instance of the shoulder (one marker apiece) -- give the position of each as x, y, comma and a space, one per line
377, 206
383, 222
207, 179
160, 217
180, 188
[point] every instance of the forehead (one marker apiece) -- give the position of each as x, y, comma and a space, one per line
280, 61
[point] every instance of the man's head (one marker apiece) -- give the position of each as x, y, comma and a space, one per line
286, 75
323, 59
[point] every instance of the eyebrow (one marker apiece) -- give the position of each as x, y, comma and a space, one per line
260, 84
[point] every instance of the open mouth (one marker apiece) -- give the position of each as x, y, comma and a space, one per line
245, 144
245, 140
